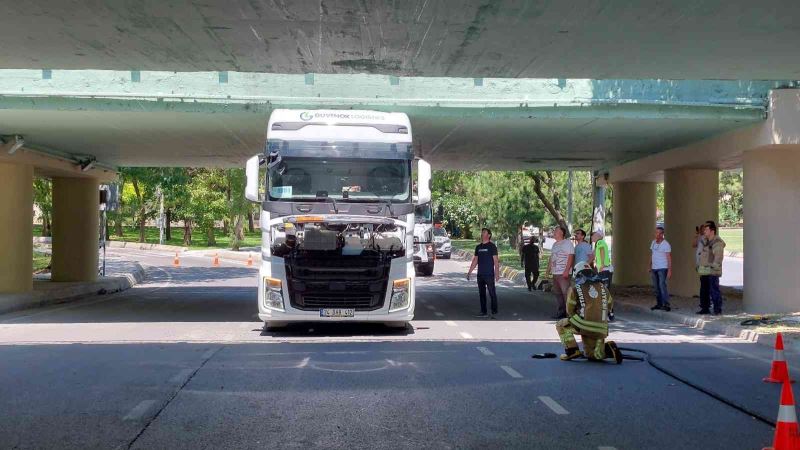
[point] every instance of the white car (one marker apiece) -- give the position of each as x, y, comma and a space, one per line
442, 242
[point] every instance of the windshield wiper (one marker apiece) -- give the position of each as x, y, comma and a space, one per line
333, 200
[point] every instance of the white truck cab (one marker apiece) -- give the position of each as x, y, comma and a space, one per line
337, 216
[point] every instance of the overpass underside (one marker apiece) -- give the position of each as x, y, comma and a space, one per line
78, 126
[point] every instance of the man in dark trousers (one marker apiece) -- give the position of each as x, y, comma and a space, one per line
488, 270
529, 255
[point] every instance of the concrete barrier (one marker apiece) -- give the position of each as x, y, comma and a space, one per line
145, 246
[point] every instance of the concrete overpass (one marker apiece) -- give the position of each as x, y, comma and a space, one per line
641, 93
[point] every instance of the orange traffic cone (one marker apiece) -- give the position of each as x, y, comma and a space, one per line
176, 262
249, 259
780, 371
786, 437
216, 260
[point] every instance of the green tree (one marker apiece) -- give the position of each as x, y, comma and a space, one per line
238, 207
731, 198
207, 201
43, 198
503, 201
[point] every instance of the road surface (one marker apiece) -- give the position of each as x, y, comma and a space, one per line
181, 361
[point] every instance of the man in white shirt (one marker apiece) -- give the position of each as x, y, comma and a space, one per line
562, 258
660, 269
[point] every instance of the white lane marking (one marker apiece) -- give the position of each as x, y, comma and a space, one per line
465, 335
139, 410
438, 314
513, 373
553, 405
431, 307
485, 351
303, 363
450, 323
209, 353
181, 376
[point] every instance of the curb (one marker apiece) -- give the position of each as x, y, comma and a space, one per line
234, 255
36, 299
514, 275
145, 246
736, 331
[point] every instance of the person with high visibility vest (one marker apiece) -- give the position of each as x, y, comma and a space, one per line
588, 305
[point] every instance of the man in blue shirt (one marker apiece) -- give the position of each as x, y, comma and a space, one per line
488, 270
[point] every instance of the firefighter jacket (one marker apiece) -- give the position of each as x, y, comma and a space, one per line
711, 257
588, 305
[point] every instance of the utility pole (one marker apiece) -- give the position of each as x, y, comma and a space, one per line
569, 201
160, 216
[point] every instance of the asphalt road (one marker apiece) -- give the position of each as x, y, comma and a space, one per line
181, 361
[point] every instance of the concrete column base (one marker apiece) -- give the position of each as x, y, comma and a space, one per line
75, 229
771, 238
634, 222
16, 228
691, 197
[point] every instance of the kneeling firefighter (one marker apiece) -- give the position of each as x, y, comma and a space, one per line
588, 305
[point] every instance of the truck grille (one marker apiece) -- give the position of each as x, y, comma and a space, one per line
334, 281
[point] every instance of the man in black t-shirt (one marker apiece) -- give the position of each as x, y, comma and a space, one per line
488, 270
529, 254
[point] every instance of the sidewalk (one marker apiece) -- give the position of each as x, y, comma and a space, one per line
639, 300
121, 275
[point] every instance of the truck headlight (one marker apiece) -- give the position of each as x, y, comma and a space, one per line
400, 295
273, 293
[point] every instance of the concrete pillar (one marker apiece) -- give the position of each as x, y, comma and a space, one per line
75, 229
691, 197
634, 222
16, 228
771, 237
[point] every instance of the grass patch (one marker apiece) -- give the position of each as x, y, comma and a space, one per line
40, 261
734, 239
131, 234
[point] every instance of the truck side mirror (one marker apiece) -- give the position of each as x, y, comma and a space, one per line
251, 190
423, 182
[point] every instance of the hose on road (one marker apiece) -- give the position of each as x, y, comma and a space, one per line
648, 357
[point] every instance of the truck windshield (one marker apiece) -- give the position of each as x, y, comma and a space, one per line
422, 213
342, 179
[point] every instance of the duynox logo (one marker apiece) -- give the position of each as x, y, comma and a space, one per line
306, 116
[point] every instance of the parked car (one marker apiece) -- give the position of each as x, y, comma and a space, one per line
441, 239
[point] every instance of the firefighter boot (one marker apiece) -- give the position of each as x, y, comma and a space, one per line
612, 351
571, 353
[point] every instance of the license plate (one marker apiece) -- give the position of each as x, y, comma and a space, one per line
337, 312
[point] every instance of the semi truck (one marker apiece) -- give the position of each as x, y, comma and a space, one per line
337, 199
424, 250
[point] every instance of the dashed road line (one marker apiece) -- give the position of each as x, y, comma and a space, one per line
485, 351
181, 376
438, 314
511, 372
465, 335
139, 410
553, 405
431, 307
450, 323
